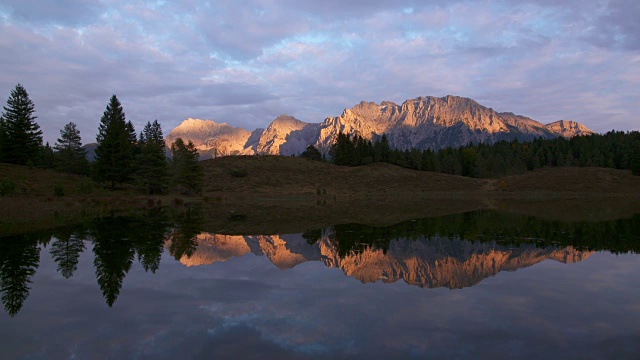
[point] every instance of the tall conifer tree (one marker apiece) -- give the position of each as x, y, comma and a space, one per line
20, 136
186, 169
151, 164
114, 153
635, 159
71, 157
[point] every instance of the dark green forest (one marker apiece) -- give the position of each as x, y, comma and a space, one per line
619, 236
615, 149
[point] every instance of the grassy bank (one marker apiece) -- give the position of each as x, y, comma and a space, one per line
284, 194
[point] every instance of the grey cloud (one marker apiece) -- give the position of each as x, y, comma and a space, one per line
241, 31
618, 27
245, 63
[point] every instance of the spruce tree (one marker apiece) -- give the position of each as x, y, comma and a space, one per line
47, 157
186, 169
2, 138
70, 156
151, 164
114, 153
635, 159
21, 136
311, 153
343, 150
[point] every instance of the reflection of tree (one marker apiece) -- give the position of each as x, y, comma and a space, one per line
188, 224
66, 251
113, 252
617, 236
117, 239
19, 259
312, 236
148, 236
347, 238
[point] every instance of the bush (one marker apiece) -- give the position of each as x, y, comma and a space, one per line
58, 190
85, 187
238, 172
7, 187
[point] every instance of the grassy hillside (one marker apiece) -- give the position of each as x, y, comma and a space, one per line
271, 194
294, 176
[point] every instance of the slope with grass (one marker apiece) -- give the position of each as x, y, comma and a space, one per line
276, 194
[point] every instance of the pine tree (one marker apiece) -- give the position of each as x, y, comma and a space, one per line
151, 164
635, 159
187, 171
343, 150
21, 136
311, 153
70, 156
114, 153
3, 137
47, 157
381, 149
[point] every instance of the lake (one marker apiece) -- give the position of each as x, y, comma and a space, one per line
484, 284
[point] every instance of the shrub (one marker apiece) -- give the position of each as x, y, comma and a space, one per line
7, 187
241, 172
58, 190
85, 187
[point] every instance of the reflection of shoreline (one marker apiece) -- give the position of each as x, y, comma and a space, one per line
439, 262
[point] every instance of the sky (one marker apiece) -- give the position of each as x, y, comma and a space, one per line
246, 62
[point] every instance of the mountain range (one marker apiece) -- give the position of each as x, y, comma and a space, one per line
426, 262
422, 123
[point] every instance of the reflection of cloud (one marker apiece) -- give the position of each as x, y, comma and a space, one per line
245, 306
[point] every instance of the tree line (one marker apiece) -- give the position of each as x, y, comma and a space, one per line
122, 156
615, 149
501, 229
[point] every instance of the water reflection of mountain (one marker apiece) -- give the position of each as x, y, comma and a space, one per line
450, 251
435, 262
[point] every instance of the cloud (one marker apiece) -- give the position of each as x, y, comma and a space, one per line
618, 27
61, 12
246, 62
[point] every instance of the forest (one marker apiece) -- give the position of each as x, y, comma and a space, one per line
615, 149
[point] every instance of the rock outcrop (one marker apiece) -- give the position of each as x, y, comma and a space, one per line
568, 128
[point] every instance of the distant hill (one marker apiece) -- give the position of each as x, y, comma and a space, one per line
90, 150
423, 122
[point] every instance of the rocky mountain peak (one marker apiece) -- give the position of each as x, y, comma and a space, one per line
422, 122
286, 122
568, 128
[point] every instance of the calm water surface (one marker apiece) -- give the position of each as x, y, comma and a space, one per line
477, 285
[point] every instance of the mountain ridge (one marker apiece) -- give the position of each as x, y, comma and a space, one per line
423, 122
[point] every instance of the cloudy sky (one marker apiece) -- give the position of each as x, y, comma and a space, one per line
246, 62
